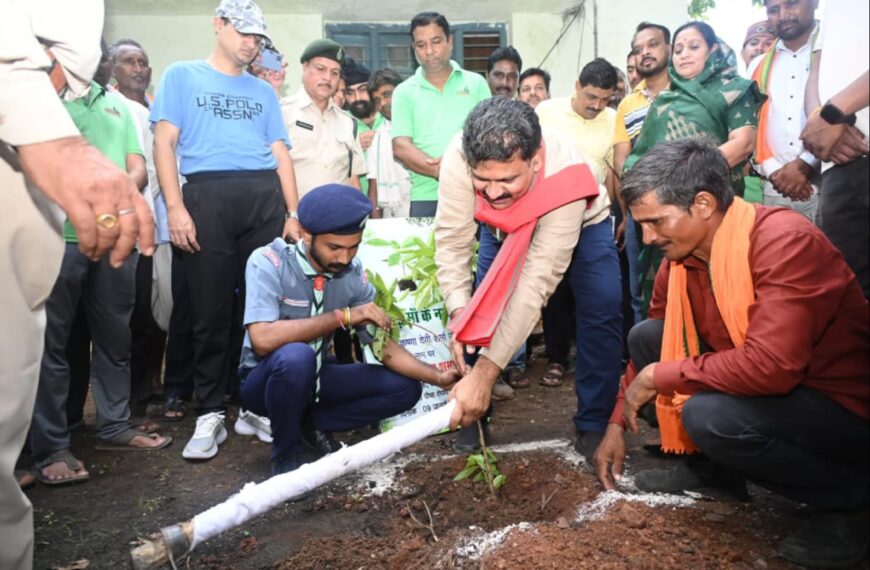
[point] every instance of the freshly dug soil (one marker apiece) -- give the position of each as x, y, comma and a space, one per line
540, 487
348, 525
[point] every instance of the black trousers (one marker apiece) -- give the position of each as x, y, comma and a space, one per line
844, 211
78, 356
178, 371
559, 325
234, 213
146, 358
802, 445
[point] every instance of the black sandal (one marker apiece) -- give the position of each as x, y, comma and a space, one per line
554, 377
177, 407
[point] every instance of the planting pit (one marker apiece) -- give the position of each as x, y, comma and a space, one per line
541, 487
363, 521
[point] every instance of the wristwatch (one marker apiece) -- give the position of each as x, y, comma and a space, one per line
833, 116
293, 215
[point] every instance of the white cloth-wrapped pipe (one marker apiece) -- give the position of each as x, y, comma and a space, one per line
255, 499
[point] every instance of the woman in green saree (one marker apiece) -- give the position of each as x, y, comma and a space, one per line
706, 98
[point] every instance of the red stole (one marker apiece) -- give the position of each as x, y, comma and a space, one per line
477, 323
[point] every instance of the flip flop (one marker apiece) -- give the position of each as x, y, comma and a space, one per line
146, 425
25, 478
554, 377
122, 441
66, 456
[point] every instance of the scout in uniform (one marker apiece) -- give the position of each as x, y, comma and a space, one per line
298, 296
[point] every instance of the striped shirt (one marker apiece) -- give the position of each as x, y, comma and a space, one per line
631, 114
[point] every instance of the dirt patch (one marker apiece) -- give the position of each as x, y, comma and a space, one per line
540, 487
632, 535
364, 520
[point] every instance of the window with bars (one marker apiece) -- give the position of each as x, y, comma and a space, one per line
389, 45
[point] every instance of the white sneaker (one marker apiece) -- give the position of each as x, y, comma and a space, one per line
250, 423
209, 434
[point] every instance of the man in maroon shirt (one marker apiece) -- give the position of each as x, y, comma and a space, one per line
789, 408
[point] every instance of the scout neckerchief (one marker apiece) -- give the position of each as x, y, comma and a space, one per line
477, 322
733, 290
319, 282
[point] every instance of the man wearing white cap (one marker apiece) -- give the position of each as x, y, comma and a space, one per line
240, 192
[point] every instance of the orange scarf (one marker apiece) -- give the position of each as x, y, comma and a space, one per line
476, 324
734, 293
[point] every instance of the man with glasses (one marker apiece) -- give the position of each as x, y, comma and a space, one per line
226, 127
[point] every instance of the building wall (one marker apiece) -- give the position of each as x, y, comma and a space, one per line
180, 36
170, 38
533, 34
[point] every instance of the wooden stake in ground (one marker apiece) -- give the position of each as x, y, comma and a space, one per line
176, 541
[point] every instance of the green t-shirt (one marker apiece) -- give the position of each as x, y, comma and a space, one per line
431, 118
104, 120
362, 128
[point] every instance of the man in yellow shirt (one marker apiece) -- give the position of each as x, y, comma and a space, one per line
586, 122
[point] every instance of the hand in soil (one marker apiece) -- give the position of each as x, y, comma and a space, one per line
472, 394
641, 390
610, 456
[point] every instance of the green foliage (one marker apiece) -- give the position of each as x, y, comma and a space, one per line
482, 467
385, 298
417, 258
698, 8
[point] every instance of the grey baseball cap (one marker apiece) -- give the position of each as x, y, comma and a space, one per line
245, 16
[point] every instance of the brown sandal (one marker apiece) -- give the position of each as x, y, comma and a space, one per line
515, 379
553, 378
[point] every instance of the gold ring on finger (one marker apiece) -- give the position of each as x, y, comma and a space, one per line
107, 221
126, 212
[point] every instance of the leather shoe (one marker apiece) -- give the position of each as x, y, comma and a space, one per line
587, 442
287, 464
321, 442
501, 391
698, 475
829, 539
468, 438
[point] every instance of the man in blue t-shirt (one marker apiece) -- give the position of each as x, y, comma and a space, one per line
227, 130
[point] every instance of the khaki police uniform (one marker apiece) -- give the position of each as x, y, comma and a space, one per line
324, 149
30, 238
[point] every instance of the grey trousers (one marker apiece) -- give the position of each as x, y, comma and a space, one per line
809, 209
108, 296
30, 254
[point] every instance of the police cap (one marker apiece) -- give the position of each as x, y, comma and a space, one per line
323, 48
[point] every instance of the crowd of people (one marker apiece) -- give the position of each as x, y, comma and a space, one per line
700, 238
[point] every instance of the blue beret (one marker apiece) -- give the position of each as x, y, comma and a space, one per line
334, 209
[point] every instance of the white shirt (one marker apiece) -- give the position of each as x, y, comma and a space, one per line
394, 182
787, 116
